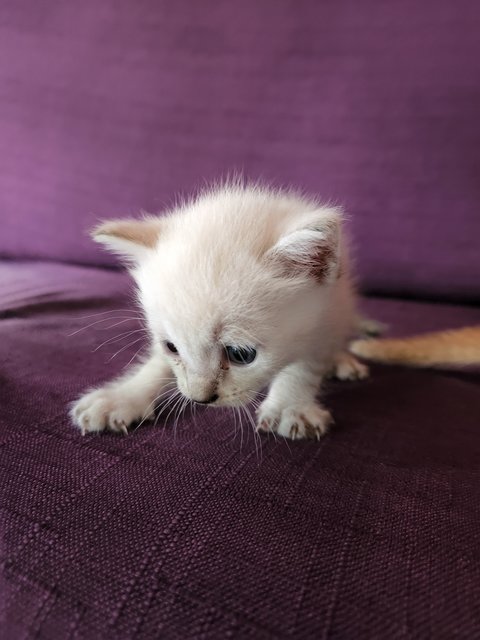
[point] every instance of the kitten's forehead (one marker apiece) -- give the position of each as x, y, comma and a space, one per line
203, 335
198, 334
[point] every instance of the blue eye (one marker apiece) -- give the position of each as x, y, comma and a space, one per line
241, 355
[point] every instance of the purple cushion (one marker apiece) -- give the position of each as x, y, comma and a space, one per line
194, 532
107, 108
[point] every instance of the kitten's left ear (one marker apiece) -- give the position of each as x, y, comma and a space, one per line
132, 239
311, 247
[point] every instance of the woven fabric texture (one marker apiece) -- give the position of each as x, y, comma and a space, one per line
192, 530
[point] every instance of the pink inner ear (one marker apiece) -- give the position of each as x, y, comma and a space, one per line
311, 247
142, 232
318, 264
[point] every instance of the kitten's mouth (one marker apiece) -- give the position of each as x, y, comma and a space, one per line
210, 400
217, 403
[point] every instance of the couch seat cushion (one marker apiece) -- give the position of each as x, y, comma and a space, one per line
197, 531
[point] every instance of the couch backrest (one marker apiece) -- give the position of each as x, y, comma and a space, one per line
110, 106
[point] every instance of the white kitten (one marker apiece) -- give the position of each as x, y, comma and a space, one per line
242, 288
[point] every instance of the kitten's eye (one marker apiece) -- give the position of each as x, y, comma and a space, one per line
171, 347
241, 355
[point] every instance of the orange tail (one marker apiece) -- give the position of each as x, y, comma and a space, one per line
455, 347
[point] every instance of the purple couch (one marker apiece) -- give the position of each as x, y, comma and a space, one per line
196, 532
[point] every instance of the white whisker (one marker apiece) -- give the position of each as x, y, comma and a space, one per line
100, 321
163, 405
179, 413
117, 338
125, 347
256, 437
103, 313
134, 356
177, 397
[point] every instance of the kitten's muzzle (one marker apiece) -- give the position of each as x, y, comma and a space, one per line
208, 400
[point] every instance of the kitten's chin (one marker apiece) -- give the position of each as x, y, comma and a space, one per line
232, 402
223, 402
226, 403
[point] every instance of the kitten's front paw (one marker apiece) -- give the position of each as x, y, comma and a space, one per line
310, 422
108, 408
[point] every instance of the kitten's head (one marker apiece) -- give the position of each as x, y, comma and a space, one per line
232, 286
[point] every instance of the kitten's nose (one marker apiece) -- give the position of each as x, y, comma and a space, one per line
209, 400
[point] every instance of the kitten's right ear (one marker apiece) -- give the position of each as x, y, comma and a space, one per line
131, 239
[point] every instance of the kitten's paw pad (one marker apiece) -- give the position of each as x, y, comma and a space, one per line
347, 367
310, 422
105, 409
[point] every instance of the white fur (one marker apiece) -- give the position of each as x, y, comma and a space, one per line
227, 269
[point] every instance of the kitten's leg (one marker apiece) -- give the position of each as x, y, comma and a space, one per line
291, 408
347, 367
367, 327
124, 400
